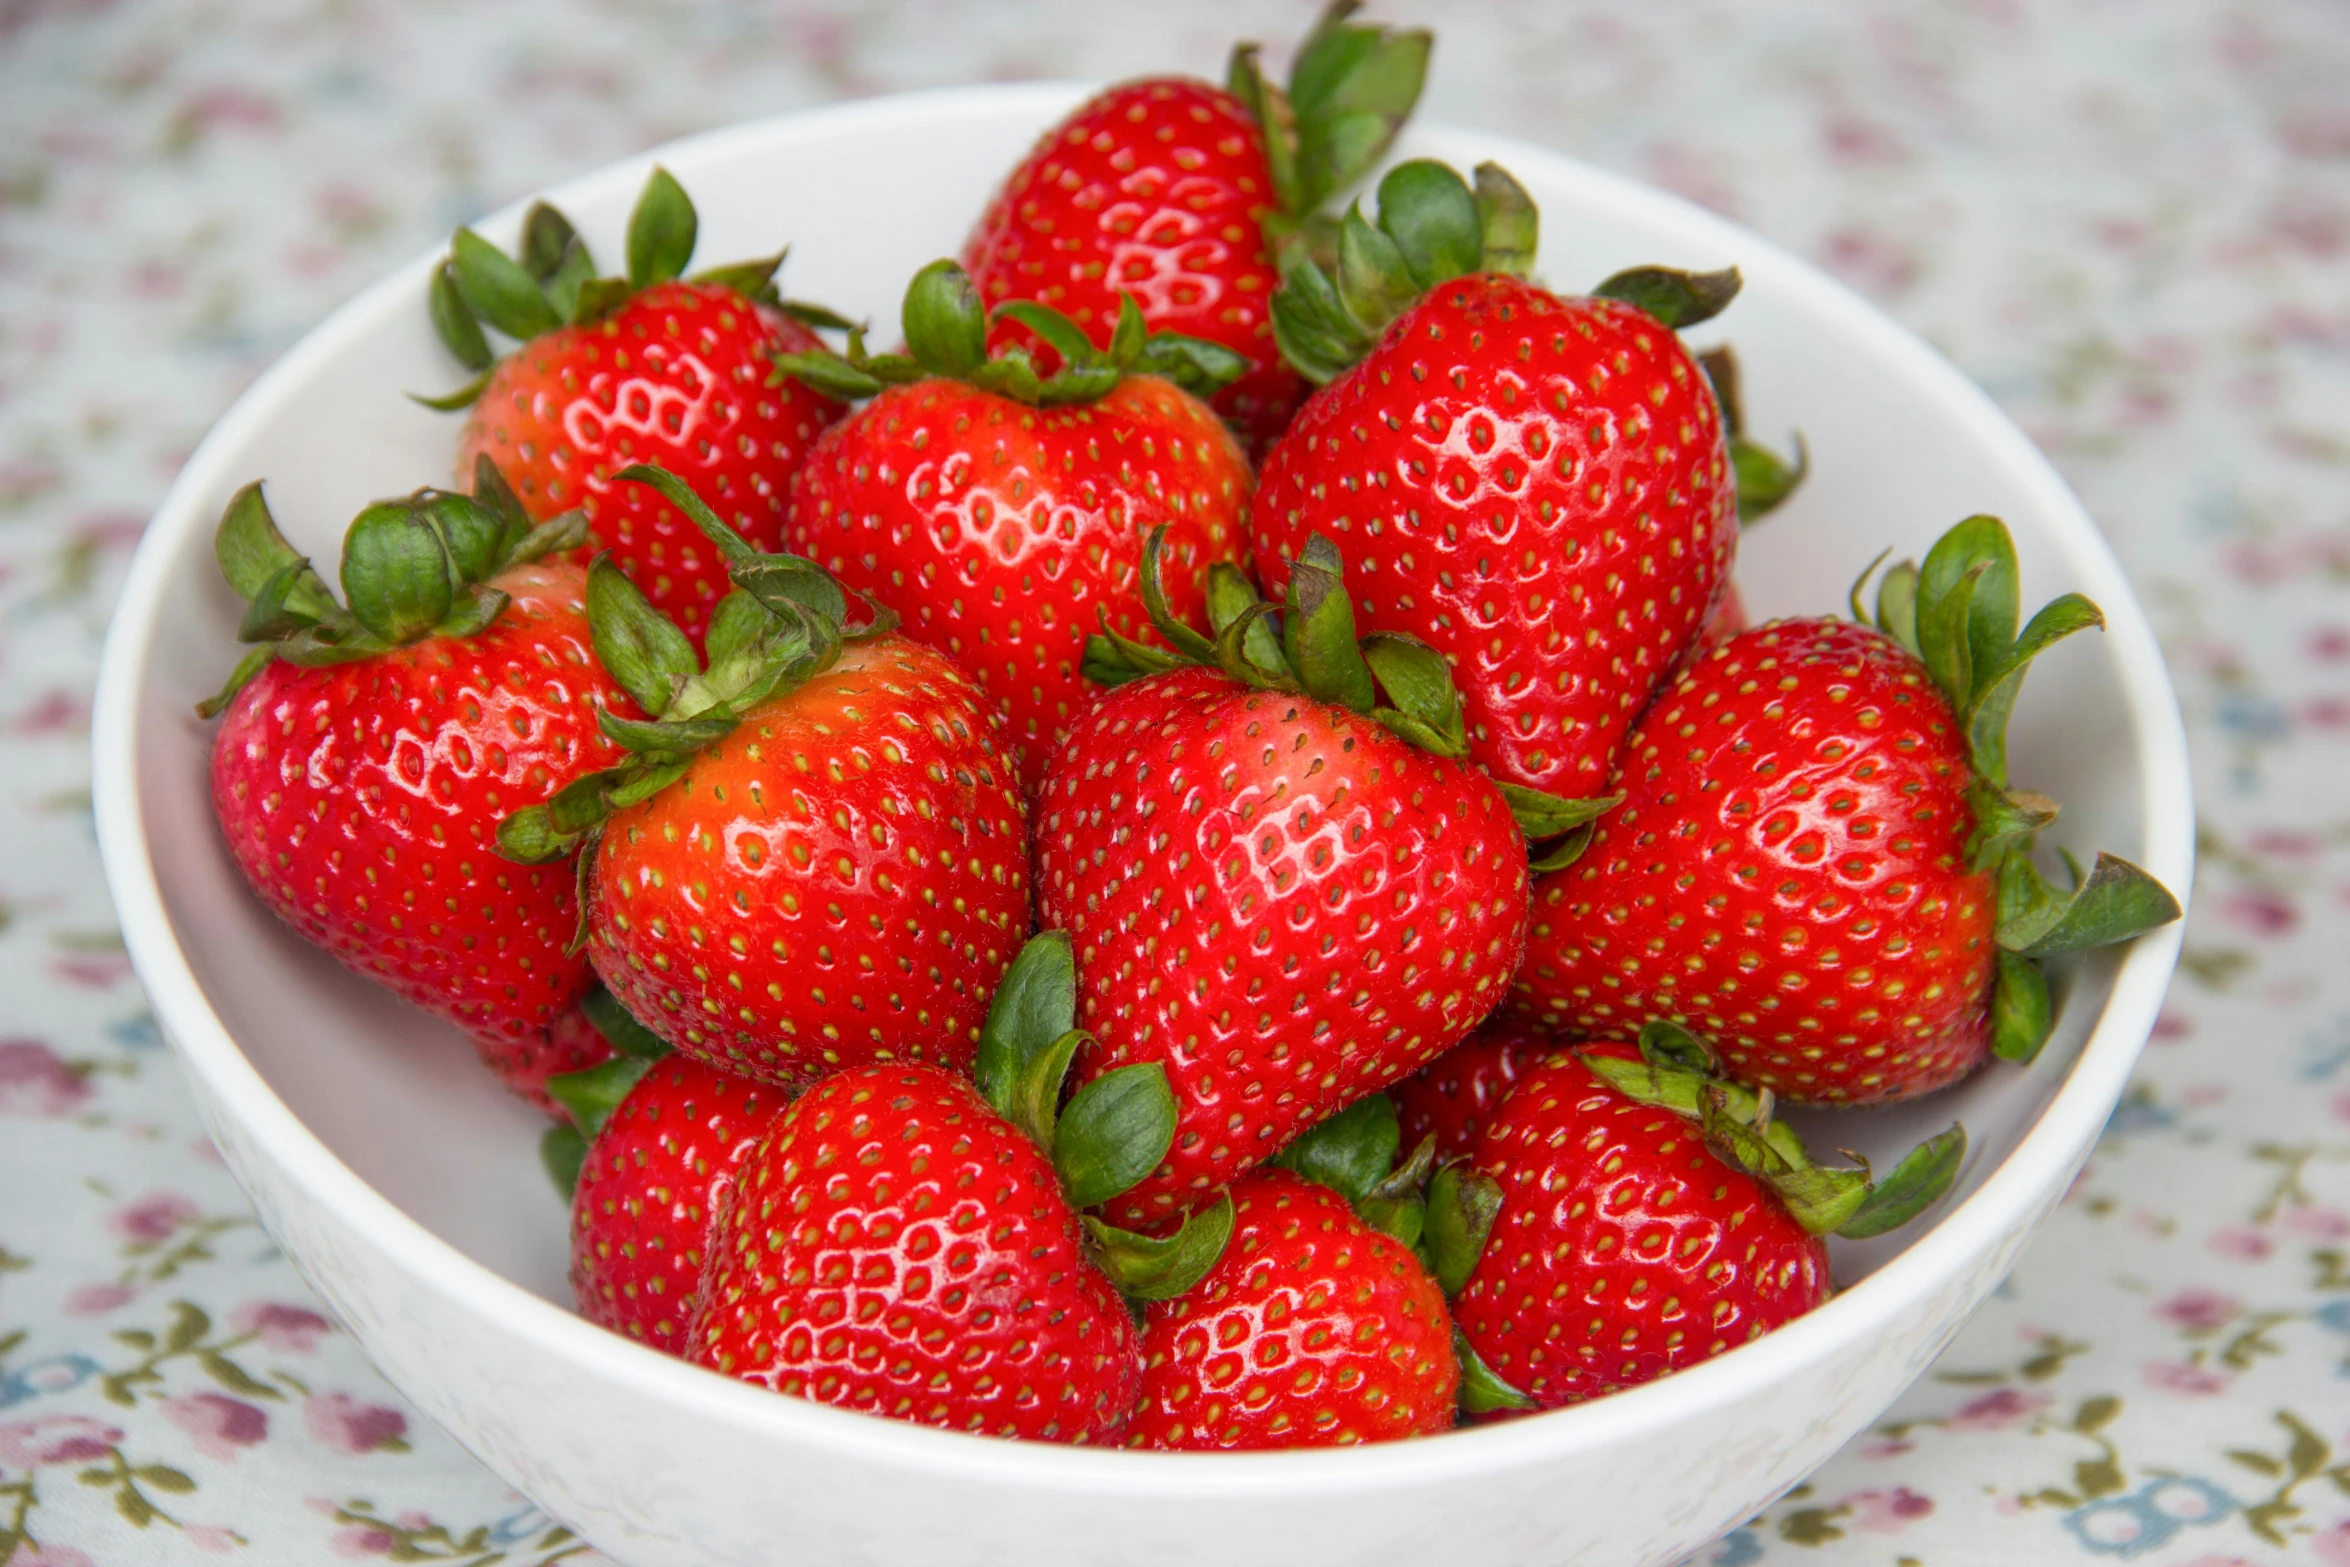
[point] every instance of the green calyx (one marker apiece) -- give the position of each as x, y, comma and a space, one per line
945, 327
590, 1096
784, 623
1309, 646
1354, 1154
1351, 88
1959, 613
1434, 226
1674, 1073
412, 568
1764, 478
551, 283
1109, 1135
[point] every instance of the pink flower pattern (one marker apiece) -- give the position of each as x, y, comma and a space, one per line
2130, 222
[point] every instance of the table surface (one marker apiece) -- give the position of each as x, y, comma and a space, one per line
2130, 219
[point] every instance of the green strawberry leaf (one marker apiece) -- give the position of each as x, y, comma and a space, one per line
573, 273
755, 281
1374, 281
1065, 335
1351, 88
396, 572
1462, 1205
548, 240
1419, 682
2022, 1012
1482, 1389
1145, 1267
591, 1096
1318, 630
1764, 478
1678, 299
1665, 1044
641, 647
1428, 210
2117, 902
1116, 1130
945, 323
1542, 815
563, 1153
1312, 326
464, 397
459, 332
1968, 589
497, 289
620, 1027
1350, 1152
661, 231
1911, 1187
1997, 683
1033, 1012
1508, 221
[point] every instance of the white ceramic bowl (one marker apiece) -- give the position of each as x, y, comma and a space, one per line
406, 1187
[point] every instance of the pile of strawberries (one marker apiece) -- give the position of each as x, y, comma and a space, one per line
1199, 855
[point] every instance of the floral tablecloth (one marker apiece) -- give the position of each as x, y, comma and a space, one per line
2129, 218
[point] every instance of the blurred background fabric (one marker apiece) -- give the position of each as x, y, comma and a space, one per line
2129, 219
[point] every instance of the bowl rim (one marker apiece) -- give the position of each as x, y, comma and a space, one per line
2040, 1163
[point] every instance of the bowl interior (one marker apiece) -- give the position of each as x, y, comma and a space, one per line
1900, 449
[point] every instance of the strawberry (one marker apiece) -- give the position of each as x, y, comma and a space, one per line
1818, 864
1623, 1219
1318, 1327
1001, 513
1180, 195
1448, 1102
1285, 890
650, 1188
815, 857
906, 1243
658, 368
1536, 485
368, 749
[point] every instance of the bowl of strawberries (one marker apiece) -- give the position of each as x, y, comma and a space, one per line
1248, 858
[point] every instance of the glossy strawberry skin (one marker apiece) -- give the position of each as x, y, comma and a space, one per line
1278, 901
1623, 1248
1000, 532
650, 1190
362, 801
897, 1247
1312, 1330
1454, 1097
842, 880
1155, 188
1539, 488
677, 376
1787, 875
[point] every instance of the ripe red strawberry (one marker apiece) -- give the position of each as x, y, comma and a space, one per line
1449, 1101
657, 369
1274, 892
1623, 1248
1817, 864
896, 1246
1313, 1330
651, 1187
1165, 189
368, 753
1002, 515
902, 1243
816, 858
1628, 1215
1537, 486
